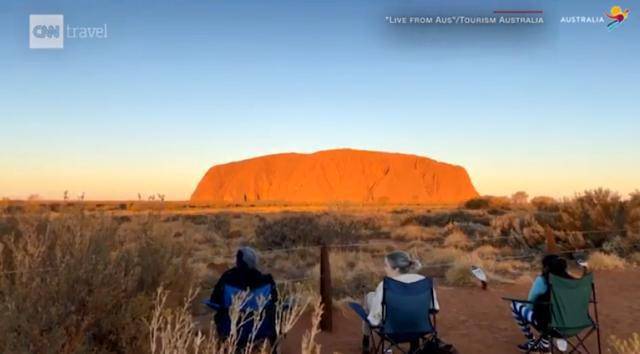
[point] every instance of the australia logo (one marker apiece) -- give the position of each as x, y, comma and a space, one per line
618, 16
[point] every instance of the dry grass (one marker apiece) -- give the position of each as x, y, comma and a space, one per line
457, 239
65, 265
75, 284
460, 272
630, 345
604, 261
172, 330
635, 258
415, 232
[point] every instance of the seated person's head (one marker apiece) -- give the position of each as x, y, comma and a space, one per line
399, 262
553, 264
247, 258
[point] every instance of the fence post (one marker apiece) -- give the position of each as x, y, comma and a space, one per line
326, 322
551, 240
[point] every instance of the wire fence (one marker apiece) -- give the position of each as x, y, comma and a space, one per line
530, 252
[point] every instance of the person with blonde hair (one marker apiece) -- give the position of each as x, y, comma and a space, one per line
399, 266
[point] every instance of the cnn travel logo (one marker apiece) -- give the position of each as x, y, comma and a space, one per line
49, 32
46, 31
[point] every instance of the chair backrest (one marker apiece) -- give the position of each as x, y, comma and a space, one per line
406, 306
258, 299
254, 296
570, 299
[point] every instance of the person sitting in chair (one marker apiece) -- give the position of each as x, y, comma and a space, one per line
245, 276
535, 312
399, 266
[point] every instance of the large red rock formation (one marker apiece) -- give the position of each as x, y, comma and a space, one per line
342, 175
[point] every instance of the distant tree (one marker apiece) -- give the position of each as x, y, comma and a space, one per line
152, 197
161, 197
139, 197
543, 202
81, 196
65, 196
520, 197
33, 197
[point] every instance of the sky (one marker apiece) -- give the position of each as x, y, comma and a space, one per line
181, 85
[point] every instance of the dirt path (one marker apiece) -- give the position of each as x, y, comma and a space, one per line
478, 321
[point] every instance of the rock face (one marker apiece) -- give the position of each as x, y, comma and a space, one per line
342, 175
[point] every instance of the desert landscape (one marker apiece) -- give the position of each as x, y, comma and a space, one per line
131, 276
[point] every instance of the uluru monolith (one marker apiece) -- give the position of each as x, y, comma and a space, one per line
342, 175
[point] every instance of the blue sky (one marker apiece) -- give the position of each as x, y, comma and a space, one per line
181, 85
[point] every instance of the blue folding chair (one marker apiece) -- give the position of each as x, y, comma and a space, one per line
266, 330
408, 316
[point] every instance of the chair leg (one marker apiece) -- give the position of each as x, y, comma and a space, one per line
365, 344
598, 337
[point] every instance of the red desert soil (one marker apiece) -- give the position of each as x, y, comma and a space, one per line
478, 321
342, 175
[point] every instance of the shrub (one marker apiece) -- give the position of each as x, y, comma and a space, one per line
477, 203
309, 230
74, 284
460, 272
599, 210
635, 258
415, 232
457, 239
544, 203
603, 261
442, 219
488, 202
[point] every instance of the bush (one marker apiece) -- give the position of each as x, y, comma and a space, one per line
635, 258
442, 219
309, 230
457, 239
488, 202
603, 261
544, 203
74, 284
600, 211
460, 272
477, 203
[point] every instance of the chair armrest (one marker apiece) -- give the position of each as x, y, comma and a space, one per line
357, 308
517, 300
526, 301
212, 305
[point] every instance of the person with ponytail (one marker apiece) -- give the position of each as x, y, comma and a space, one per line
535, 312
402, 267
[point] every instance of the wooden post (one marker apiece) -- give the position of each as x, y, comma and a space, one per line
551, 241
326, 323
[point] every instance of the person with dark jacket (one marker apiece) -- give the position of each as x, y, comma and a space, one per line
535, 312
245, 276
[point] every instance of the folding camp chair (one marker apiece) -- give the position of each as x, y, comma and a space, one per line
408, 316
266, 330
569, 306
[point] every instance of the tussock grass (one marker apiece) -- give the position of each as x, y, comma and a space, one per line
630, 345
604, 261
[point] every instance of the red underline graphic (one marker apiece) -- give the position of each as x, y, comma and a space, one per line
518, 12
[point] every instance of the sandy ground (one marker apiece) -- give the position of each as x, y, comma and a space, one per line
478, 321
